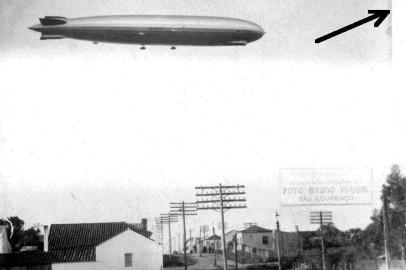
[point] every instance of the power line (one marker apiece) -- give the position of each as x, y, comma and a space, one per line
223, 198
159, 227
168, 219
321, 218
184, 209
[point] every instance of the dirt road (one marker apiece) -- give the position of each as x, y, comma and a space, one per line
206, 262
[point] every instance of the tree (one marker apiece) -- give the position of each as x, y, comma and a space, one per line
372, 236
31, 238
353, 237
16, 234
394, 197
18, 237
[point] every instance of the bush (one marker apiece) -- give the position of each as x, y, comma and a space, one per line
262, 267
246, 257
177, 260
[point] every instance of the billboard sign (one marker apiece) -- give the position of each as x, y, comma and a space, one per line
325, 186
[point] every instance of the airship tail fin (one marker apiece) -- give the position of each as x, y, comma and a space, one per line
45, 37
53, 20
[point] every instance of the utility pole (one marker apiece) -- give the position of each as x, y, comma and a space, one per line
159, 226
323, 253
223, 198
278, 247
184, 209
321, 218
168, 219
300, 238
204, 236
214, 248
179, 243
235, 250
200, 242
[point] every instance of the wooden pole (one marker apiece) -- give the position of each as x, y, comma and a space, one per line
204, 237
169, 235
235, 250
278, 245
322, 242
214, 250
223, 227
162, 235
200, 242
184, 234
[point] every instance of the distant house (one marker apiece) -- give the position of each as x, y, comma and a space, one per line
197, 244
263, 242
256, 240
230, 237
5, 246
113, 245
212, 243
193, 245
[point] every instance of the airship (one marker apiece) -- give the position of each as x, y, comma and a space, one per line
152, 30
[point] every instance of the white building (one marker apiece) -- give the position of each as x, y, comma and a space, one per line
263, 242
5, 246
256, 240
212, 243
91, 246
230, 238
193, 245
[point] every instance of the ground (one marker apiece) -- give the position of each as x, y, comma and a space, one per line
206, 262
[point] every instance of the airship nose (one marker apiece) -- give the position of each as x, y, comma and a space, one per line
260, 30
257, 30
35, 27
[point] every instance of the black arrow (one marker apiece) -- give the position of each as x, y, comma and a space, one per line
380, 15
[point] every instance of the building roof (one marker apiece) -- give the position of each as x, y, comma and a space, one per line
87, 235
255, 229
30, 258
213, 237
71, 243
232, 232
192, 239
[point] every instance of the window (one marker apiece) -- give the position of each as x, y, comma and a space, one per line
254, 250
128, 259
265, 240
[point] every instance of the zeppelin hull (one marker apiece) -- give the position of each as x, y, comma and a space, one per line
192, 31
161, 36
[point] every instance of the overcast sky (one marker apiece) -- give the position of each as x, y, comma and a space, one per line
109, 132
